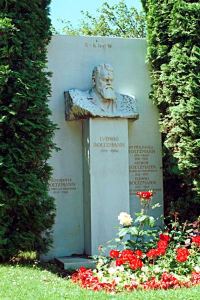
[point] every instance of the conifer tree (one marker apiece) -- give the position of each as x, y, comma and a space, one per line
26, 209
174, 54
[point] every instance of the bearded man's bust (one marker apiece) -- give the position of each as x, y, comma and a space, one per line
101, 100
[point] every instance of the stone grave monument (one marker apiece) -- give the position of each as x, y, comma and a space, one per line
105, 149
108, 135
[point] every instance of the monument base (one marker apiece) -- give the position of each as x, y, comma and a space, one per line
71, 263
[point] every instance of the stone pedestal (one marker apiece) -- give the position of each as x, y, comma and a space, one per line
106, 179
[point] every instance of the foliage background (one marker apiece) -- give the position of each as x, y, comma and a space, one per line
26, 210
110, 20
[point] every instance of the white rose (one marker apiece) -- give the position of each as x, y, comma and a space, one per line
112, 270
164, 270
100, 274
157, 270
125, 219
187, 242
197, 269
100, 262
117, 280
145, 269
120, 268
104, 280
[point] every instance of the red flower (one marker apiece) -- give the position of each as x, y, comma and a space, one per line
132, 286
151, 284
161, 247
181, 258
182, 254
138, 253
114, 253
167, 281
195, 278
164, 237
161, 251
145, 195
196, 240
119, 262
136, 264
86, 279
166, 277
82, 269
127, 252
182, 251
152, 253
162, 244
127, 256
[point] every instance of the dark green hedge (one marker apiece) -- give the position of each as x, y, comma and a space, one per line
26, 210
174, 56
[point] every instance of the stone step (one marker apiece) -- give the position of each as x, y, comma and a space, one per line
74, 263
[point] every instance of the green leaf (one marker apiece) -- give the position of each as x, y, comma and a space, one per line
133, 231
151, 221
123, 232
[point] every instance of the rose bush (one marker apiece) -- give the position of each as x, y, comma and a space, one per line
144, 257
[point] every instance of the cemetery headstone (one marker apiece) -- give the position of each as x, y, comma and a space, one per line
107, 152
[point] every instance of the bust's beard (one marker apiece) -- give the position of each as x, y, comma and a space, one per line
108, 93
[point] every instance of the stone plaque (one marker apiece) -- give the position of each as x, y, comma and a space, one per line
144, 169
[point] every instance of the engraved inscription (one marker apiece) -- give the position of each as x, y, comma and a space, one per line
97, 44
109, 143
143, 171
62, 185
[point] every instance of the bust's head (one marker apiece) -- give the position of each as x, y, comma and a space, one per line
102, 77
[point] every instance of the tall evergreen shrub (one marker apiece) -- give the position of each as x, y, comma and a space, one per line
26, 210
174, 56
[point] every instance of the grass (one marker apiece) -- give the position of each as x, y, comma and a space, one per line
32, 282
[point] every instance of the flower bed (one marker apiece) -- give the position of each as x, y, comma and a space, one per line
150, 258
89, 280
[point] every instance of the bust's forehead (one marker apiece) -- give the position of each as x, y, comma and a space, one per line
105, 69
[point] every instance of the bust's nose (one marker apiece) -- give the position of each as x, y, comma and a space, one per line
109, 81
